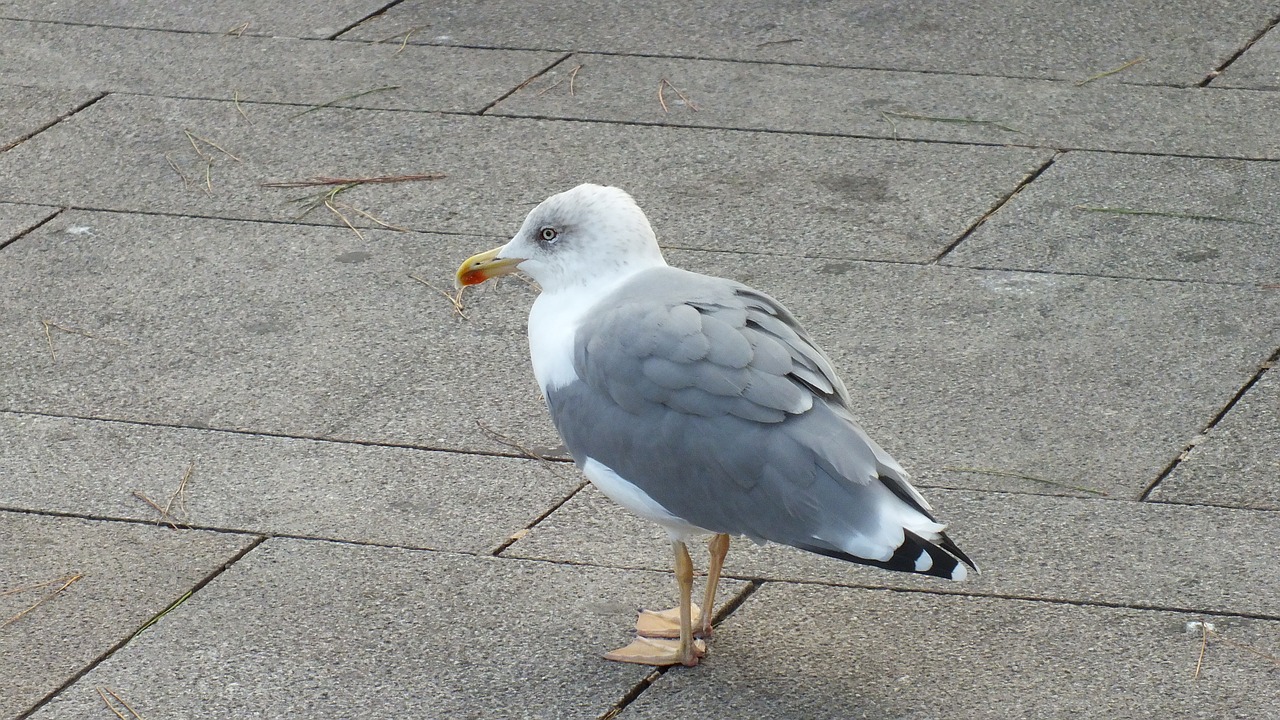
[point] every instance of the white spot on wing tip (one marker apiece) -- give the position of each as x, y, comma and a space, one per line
960, 573
924, 562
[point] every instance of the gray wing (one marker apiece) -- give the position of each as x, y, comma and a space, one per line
710, 397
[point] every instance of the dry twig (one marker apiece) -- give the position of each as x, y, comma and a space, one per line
66, 583
120, 700
1162, 213
573, 75
333, 208
174, 165
328, 198
684, 98
1246, 648
549, 88
504, 440
352, 181
164, 516
239, 30
235, 98
70, 331
398, 33
767, 43
892, 125
179, 494
1106, 73
455, 299
193, 137
1204, 643
374, 219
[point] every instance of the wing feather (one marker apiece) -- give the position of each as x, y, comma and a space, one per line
710, 398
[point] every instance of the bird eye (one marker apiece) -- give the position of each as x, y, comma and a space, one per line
547, 234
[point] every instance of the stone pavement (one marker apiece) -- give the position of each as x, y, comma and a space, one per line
254, 464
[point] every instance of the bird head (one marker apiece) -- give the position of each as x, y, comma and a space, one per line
578, 237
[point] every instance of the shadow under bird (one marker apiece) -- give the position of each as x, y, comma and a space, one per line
703, 405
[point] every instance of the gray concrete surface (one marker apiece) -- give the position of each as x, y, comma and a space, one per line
117, 576
25, 111
388, 633
1182, 44
1236, 463
1062, 319
805, 651
903, 105
1175, 218
793, 195
18, 219
264, 69
237, 17
1258, 68
253, 483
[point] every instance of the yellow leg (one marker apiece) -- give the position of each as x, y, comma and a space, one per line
686, 651
719, 548
666, 623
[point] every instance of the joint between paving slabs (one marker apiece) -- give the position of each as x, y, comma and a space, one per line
1213, 74
1020, 598
367, 18
517, 535
6, 243
150, 621
648, 680
969, 231
274, 434
82, 106
525, 83
1263, 367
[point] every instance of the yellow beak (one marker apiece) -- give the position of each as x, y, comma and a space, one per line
478, 268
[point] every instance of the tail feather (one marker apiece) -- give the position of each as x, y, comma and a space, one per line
940, 558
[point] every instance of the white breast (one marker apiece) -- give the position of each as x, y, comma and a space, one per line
553, 325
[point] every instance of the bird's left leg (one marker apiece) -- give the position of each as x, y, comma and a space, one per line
719, 548
666, 623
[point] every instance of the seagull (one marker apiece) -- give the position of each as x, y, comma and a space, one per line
701, 404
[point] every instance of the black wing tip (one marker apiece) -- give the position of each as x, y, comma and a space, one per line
945, 558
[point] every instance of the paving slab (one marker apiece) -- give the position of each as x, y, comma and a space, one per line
1139, 216
1182, 41
274, 486
127, 572
230, 17
26, 110
982, 379
1031, 546
904, 105
249, 68
16, 219
704, 188
1238, 462
810, 652
297, 330
311, 629
1258, 68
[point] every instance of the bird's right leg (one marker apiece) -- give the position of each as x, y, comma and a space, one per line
659, 651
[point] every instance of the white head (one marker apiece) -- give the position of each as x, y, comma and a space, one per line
579, 237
